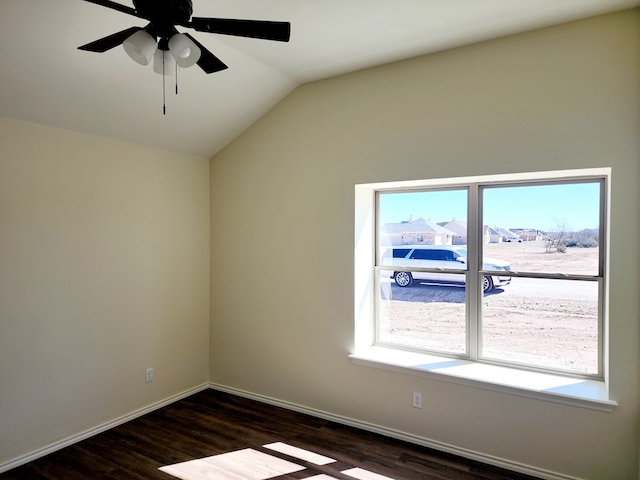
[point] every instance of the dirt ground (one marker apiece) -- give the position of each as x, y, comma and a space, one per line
548, 323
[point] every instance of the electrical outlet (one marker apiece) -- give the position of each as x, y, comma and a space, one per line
417, 400
148, 375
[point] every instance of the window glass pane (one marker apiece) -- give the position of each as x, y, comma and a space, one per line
400, 252
426, 255
422, 315
435, 217
543, 228
543, 322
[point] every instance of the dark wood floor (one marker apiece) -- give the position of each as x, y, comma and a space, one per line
211, 422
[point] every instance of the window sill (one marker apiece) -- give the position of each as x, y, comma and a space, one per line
572, 391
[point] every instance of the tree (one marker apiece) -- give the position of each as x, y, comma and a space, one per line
557, 236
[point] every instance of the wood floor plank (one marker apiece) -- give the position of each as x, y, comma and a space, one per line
212, 423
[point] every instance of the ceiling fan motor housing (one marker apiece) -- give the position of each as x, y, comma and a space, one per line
170, 12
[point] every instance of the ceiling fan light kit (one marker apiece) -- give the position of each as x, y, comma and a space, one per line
185, 52
164, 63
161, 40
140, 47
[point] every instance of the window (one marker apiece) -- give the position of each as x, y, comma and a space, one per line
503, 270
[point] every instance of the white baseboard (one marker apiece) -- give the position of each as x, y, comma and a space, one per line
99, 429
399, 435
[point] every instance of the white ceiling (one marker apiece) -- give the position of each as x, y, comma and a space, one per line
45, 79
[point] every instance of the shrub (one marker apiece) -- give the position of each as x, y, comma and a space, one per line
583, 239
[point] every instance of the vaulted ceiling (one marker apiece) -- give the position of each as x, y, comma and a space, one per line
45, 79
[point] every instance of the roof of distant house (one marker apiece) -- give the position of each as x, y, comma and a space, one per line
457, 226
417, 226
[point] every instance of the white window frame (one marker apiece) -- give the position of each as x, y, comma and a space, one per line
585, 391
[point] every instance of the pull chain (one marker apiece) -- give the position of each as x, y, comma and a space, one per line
164, 86
164, 104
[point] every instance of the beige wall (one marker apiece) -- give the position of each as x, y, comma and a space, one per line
282, 230
104, 272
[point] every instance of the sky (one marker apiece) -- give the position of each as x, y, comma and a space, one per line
540, 207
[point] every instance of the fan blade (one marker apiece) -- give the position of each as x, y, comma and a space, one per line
208, 61
107, 43
116, 6
265, 30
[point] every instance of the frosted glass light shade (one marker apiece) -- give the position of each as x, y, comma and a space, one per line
140, 47
169, 62
185, 52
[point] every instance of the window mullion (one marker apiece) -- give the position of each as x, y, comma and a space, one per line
473, 285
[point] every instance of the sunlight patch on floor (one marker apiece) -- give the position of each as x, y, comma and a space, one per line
249, 464
300, 453
362, 474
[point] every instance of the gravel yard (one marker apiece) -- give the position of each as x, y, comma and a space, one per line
549, 323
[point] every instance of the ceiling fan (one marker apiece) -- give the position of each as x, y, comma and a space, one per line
161, 40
